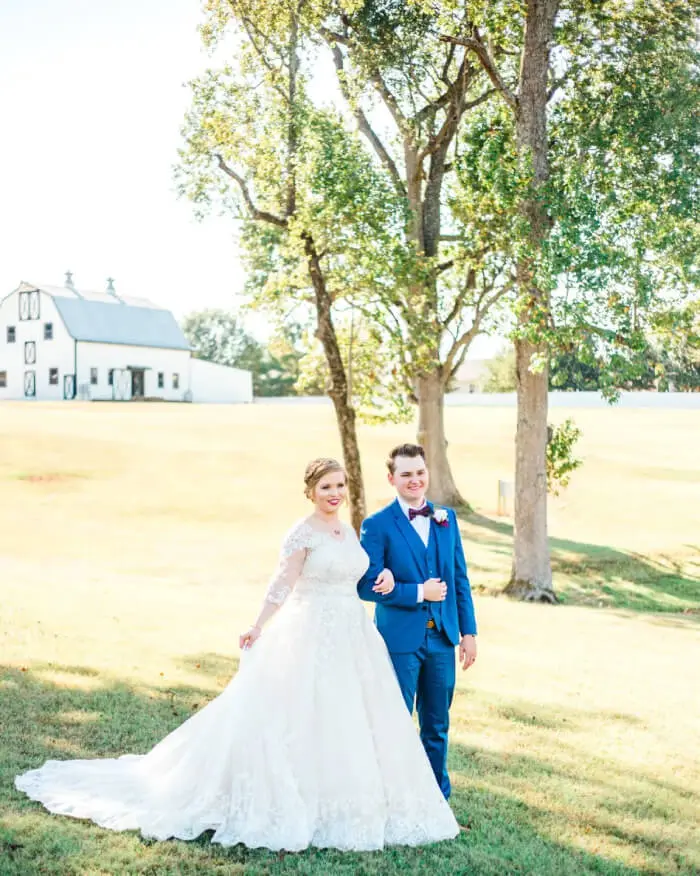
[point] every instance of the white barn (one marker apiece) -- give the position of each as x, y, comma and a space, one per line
58, 342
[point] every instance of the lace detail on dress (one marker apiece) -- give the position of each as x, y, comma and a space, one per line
316, 749
295, 546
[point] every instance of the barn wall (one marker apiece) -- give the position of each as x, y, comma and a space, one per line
104, 357
219, 384
56, 353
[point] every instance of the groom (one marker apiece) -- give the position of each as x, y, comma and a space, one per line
429, 609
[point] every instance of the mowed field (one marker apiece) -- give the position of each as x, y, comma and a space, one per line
135, 545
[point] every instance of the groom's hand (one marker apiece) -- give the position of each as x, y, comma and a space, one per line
434, 590
467, 651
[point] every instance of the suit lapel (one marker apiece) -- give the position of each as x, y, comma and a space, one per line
413, 540
438, 534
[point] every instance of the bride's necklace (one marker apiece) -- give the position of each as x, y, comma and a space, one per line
333, 527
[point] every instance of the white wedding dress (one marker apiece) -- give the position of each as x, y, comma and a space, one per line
310, 744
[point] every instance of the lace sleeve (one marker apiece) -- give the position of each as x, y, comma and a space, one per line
291, 562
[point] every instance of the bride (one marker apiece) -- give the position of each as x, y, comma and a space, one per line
310, 743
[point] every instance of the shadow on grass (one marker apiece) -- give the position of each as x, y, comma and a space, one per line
39, 719
607, 805
214, 665
601, 576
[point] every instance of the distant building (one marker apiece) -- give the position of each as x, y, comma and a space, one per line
472, 375
59, 342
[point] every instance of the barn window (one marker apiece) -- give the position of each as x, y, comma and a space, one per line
29, 305
34, 309
161, 380
53, 376
29, 352
176, 381
110, 377
3, 379
48, 331
11, 334
93, 376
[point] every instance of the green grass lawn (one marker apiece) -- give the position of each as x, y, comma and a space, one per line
135, 543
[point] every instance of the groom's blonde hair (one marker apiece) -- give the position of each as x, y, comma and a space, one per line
317, 469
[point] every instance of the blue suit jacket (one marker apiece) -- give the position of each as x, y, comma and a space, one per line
392, 542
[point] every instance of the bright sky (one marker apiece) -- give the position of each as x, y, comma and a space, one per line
92, 98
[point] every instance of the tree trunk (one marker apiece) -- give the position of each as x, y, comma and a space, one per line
424, 231
531, 577
430, 392
345, 418
344, 411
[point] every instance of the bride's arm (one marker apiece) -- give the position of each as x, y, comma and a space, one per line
289, 569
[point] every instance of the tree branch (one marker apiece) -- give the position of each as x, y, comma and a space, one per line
446, 66
458, 362
263, 57
450, 124
255, 213
366, 129
392, 105
458, 303
332, 36
477, 46
468, 336
447, 97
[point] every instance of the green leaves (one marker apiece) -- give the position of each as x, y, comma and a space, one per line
219, 336
623, 150
560, 458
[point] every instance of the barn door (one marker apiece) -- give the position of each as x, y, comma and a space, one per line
69, 386
137, 382
29, 384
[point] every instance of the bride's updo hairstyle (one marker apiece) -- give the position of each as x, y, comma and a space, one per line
317, 469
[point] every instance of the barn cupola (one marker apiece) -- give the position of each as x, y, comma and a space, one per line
70, 285
112, 291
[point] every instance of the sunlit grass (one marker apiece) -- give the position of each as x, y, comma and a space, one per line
126, 576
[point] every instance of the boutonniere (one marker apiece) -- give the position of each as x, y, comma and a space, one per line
440, 517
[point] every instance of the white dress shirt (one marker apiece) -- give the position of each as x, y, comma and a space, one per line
422, 527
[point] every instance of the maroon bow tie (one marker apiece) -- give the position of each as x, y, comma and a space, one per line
419, 512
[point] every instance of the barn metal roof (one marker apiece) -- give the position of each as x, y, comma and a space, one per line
110, 319
107, 323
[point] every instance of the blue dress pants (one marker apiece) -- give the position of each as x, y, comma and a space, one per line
427, 679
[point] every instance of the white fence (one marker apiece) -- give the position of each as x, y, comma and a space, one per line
642, 399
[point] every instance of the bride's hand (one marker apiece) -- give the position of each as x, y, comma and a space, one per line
248, 639
385, 582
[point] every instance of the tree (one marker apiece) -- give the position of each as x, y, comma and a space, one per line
676, 341
372, 374
501, 370
370, 227
410, 95
599, 100
218, 336
252, 145
571, 371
